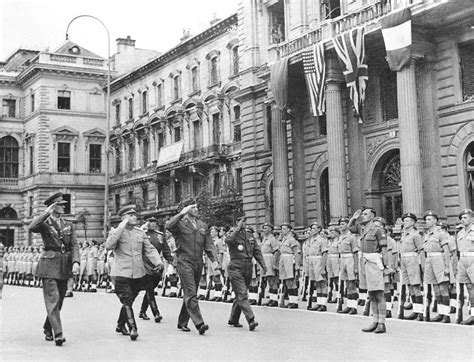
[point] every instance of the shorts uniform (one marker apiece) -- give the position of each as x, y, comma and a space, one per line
333, 258
316, 249
289, 248
465, 241
101, 262
453, 265
410, 246
83, 263
92, 261
270, 246
434, 263
347, 248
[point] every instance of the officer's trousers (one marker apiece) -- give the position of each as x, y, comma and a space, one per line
54, 291
240, 274
152, 281
127, 290
189, 271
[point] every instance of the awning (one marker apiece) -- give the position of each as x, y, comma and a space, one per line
169, 154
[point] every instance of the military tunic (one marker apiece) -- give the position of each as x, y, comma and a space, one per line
411, 246
435, 261
465, 241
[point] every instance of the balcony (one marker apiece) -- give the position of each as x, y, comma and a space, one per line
204, 154
7, 183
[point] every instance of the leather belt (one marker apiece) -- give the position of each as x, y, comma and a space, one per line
409, 254
435, 253
347, 255
61, 249
333, 255
315, 256
467, 253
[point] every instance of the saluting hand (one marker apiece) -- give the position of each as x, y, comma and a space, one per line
357, 214
50, 208
186, 209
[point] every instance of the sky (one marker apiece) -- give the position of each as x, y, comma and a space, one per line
154, 24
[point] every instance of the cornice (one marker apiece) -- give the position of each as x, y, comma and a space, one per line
53, 69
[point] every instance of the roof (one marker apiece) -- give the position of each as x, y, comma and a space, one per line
68, 46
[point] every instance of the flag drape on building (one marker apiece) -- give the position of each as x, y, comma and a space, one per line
315, 73
351, 52
279, 82
396, 31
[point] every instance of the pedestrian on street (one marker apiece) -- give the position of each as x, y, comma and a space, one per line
59, 260
243, 247
192, 239
129, 243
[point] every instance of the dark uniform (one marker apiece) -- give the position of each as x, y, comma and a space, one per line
192, 239
61, 250
153, 277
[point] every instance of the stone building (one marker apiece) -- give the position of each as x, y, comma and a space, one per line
176, 125
413, 152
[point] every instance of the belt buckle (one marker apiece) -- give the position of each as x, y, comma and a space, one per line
63, 249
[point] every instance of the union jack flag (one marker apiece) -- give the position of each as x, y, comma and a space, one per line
351, 52
315, 74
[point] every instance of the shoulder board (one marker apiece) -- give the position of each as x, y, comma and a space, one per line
137, 228
158, 232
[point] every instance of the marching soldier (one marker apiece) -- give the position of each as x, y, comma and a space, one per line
317, 261
242, 248
214, 279
374, 261
59, 259
223, 262
270, 249
437, 265
411, 253
129, 244
465, 242
171, 273
289, 249
153, 276
192, 239
348, 250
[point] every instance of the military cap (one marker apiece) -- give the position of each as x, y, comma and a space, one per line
344, 219
380, 220
369, 208
128, 209
410, 215
430, 213
269, 225
315, 223
151, 218
57, 197
287, 224
466, 212
443, 225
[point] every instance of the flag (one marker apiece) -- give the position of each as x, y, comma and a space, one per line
279, 82
351, 52
396, 31
315, 74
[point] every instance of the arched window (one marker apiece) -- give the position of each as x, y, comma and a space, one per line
235, 60
324, 197
469, 161
8, 213
176, 87
391, 190
9, 157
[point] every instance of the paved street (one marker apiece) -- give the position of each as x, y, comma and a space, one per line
89, 322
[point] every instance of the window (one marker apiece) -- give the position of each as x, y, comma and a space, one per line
216, 131
117, 113
330, 9
161, 195
131, 156
196, 185
466, 53
176, 87
161, 140
117, 161
322, 125
214, 76
95, 158
32, 100
130, 196
177, 192
9, 157
67, 207
388, 94
470, 175
268, 127
195, 79
159, 95
235, 60
277, 22
177, 134
145, 196
32, 158
216, 184
30, 206
237, 129
130, 108
9, 108
197, 134
64, 99
238, 180
145, 152
144, 102
64, 157
117, 202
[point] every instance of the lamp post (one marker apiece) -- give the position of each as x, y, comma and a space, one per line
107, 138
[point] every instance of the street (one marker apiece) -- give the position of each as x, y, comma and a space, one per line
89, 326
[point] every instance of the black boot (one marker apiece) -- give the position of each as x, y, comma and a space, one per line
155, 311
121, 322
132, 325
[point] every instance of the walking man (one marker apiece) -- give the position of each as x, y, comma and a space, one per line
58, 261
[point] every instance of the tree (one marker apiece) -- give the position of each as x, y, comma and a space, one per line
82, 219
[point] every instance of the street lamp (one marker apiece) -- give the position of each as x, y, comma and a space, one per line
107, 138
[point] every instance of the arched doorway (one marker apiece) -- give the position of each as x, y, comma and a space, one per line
7, 235
324, 197
390, 188
469, 162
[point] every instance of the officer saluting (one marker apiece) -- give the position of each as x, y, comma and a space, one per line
129, 243
57, 263
242, 248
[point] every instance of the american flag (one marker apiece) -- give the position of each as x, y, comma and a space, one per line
351, 52
315, 73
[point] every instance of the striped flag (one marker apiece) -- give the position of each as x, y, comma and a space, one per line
351, 52
315, 74
396, 31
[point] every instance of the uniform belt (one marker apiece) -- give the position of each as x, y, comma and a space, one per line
333, 255
316, 256
467, 253
435, 253
409, 254
347, 255
61, 249
370, 253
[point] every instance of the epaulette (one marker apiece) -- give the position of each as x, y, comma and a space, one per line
137, 228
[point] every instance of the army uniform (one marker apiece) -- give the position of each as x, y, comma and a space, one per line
83, 268
55, 265
333, 267
242, 248
317, 259
92, 255
348, 250
289, 250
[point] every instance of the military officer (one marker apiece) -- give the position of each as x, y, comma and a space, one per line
374, 260
154, 277
317, 260
349, 271
242, 248
453, 259
129, 243
289, 250
92, 255
270, 248
333, 265
192, 239
465, 242
58, 261
437, 265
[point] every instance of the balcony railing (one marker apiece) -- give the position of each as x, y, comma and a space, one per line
205, 153
6, 182
291, 46
361, 17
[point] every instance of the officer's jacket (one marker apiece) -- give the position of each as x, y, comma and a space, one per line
434, 241
270, 244
129, 245
348, 243
372, 239
465, 239
333, 246
191, 241
242, 245
411, 241
156, 239
56, 234
289, 245
317, 245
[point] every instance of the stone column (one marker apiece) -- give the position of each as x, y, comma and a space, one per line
336, 154
410, 158
281, 191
